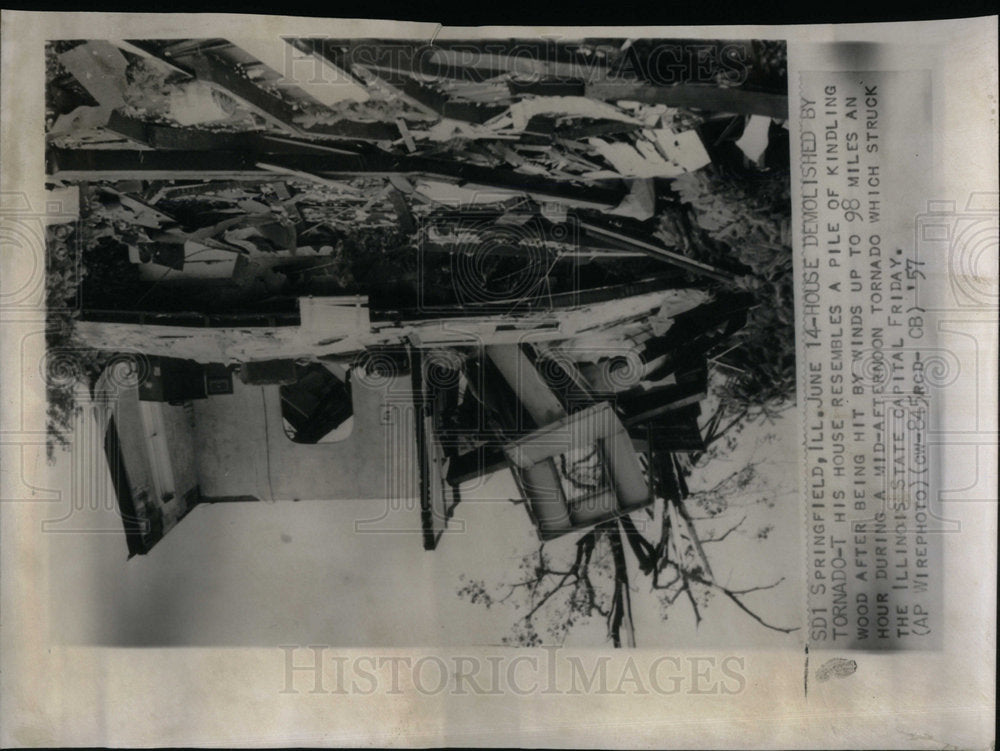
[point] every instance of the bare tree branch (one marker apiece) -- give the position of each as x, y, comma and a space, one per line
725, 534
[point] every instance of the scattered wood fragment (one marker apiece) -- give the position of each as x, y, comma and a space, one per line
676, 259
100, 68
411, 146
694, 96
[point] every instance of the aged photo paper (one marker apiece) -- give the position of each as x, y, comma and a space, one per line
381, 383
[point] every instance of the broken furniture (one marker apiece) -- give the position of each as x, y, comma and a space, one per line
572, 444
315, 403
174, 381
561, 496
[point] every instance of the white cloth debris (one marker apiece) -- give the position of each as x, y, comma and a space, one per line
683, 149
753, 142
640, 203
195, 103
659, 153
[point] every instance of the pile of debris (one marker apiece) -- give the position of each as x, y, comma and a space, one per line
507, 195
397, 110
584, 424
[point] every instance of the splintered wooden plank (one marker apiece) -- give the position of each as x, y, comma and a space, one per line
84, 164
399, 89
471, 112
169, 138
188, 164
213, 71
429, 100
545, 87
406, 221
314, 76
597, 128
100, 69
521, 375
122, 164
454, 62
437, 497
331, 52
355, 130
658, 252
282, 145
143, 50
411, 146
694, 96
185, 47
646, 406
394, 57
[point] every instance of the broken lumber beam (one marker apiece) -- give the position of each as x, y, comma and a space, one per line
100, 68
676, 259
399, 67
212, 70
117, 164
394, 306
455, 63
530, 387
471, 112
356, 130
652, 404
694, 96
168, 138
597, 128
429, 100
404, 131
398, 89
191, 320
406, 221
320, 80
329, 52
161, 136
438, 498
184, 47
390, 58
546, 87
149, 50
727, 312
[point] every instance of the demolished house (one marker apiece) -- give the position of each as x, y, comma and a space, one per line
528, 307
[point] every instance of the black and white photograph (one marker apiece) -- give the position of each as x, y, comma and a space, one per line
508, 322
371, 382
